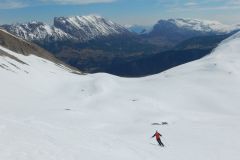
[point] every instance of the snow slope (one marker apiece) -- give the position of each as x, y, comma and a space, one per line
48, 113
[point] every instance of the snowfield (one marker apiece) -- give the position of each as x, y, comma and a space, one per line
48, 113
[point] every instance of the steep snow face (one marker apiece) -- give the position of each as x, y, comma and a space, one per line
49, 113
88, 27
37, 31
203, 25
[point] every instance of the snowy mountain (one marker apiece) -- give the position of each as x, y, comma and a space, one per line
201, 25
198, 25
139, 29
80, 28
48, 113
88, 27
94, 44
37, 31
171, 32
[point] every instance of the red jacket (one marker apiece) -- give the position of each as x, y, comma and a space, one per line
157, 135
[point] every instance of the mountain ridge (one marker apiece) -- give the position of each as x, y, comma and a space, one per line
75, 28
25, 48
203, 25
94, 44
84, 28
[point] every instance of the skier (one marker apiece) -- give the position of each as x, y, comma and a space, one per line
158, 135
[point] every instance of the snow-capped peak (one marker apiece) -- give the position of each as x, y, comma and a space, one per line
88, 27
202, 25
35, 31
81, 28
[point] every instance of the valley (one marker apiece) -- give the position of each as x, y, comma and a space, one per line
94, 44
50, 112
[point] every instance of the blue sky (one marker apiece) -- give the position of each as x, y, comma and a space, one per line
144, 12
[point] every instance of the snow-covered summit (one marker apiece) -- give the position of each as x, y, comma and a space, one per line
36, 31
201, 25
82, 28
88, 27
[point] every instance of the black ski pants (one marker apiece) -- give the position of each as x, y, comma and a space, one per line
160, 142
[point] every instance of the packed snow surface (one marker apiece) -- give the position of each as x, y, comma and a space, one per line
48, 113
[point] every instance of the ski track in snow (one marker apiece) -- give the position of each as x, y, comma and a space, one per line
48, 113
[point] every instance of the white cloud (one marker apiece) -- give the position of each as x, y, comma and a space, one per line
10, 4
206, 5
179, 9
189, 4
234, 2
77, 1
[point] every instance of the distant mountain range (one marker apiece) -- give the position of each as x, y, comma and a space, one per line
95, 44
168, 33
76, 28
138, 29
85, 28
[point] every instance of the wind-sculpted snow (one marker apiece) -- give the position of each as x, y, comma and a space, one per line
52, 114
